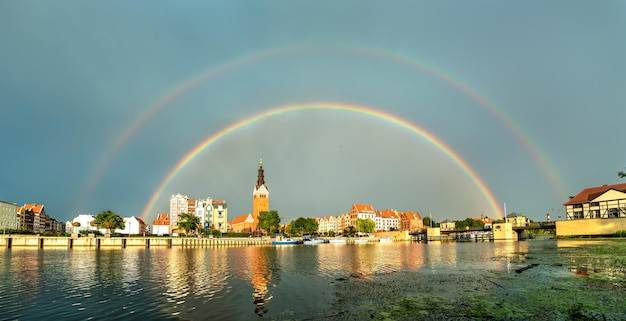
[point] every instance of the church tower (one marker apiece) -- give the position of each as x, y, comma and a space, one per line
260, 197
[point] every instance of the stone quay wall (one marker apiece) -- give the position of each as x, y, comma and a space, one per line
590, 227
42, 242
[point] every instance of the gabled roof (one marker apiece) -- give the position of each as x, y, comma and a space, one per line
36, 208
243, 218
363, 208
388, 214
413, 215
590, 193
162, 219
601, 195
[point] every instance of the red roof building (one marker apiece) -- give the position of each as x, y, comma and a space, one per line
33, 217
606, 201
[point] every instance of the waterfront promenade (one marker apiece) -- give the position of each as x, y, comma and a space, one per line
33, 241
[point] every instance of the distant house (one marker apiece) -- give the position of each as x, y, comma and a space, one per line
387, 220
8, 215
83, 222
411, 221
362, 211
517, 220
132, 226
488, 222
32, 217
219, 216
447, 225
328, 224
161, 226
606, 201
242, 224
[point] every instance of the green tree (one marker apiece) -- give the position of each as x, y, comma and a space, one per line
188, 222
621, 174
365, 225
305, 225
349, 231
269, 221
469, 223
427, 222
109, 220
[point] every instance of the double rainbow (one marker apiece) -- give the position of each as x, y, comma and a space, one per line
430, 138
164, 101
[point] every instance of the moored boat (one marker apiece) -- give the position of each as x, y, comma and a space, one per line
312, 240
385, 239
284, 241
337, 240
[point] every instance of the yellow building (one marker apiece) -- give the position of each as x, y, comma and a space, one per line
219, 216
447, 225
517, 220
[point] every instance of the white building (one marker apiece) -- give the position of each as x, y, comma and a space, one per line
133, 226
161, 226
8, 216
204, 210
82, 222
387, 220
178, 204
606, 201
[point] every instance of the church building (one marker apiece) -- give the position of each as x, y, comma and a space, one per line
260, 196
260, 203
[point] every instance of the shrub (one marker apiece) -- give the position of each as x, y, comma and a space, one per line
621, 233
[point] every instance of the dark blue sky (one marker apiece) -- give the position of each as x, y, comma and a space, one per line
75, 75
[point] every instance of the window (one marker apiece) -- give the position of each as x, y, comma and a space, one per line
594, 204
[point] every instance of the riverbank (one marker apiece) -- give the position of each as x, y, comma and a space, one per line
34, 241
541, 280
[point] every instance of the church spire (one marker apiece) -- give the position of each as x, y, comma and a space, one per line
260, 179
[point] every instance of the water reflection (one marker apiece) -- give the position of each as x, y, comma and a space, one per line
248, 282
192, 277
367, 260
509, 254
263, 267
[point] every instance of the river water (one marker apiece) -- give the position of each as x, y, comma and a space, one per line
537, 279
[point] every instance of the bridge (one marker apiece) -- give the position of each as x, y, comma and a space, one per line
520, 230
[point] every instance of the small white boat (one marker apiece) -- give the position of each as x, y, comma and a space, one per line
312, 241
337, 240
385, 239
